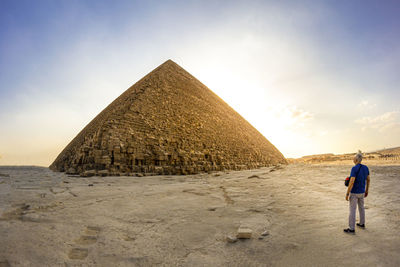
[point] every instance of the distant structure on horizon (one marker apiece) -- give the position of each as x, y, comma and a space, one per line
166, 123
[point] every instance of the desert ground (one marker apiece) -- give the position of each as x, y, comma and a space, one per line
52, 219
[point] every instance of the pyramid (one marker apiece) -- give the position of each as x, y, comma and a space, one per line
166, 123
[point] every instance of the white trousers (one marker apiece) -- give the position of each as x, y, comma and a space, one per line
354, 200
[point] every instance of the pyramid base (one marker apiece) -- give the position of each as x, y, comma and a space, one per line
88, 170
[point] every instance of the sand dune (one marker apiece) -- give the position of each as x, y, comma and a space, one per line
51, 219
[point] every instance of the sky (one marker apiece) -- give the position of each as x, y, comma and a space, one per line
312, 76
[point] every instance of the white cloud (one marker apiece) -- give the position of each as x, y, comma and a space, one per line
300, 114
365, 104
386, 121
294, 117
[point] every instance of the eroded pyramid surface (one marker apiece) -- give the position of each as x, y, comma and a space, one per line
167, 123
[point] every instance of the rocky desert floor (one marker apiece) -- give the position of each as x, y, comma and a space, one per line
52, 219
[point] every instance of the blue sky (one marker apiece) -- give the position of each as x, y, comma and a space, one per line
312, 76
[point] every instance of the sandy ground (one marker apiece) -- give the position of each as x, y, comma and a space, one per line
51, 219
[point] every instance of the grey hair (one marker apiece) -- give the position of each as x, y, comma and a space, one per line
359, 156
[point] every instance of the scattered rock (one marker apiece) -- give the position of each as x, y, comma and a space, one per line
4, 175
255, 210
31, 217
253, 176
57, 190
72, 193
129, 238
65, 182
244, 233
212, 208
265, 233
152, 220
90, 184
231, 239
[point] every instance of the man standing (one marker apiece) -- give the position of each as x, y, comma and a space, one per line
356, 192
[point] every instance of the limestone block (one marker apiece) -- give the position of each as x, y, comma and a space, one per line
71, 170
105, 160
88, 173
244, 233
103, 173
231, 239
97, 153
159, 170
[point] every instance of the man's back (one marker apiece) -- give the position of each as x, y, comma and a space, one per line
359, 183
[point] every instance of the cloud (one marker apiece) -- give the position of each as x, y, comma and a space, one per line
300, 114
290, 118
364, 104
386, 121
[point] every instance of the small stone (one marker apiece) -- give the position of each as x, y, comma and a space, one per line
253, 176
244, 233
231, 239
31, 217
139, 174
90, 184
265, 233
129, 238
212, 208
255, 210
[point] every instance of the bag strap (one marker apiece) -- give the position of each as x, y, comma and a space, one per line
358, 171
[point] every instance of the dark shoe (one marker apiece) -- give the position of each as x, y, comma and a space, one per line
349, 231
361, 225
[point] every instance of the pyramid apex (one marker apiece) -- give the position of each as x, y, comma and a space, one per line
169, 62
